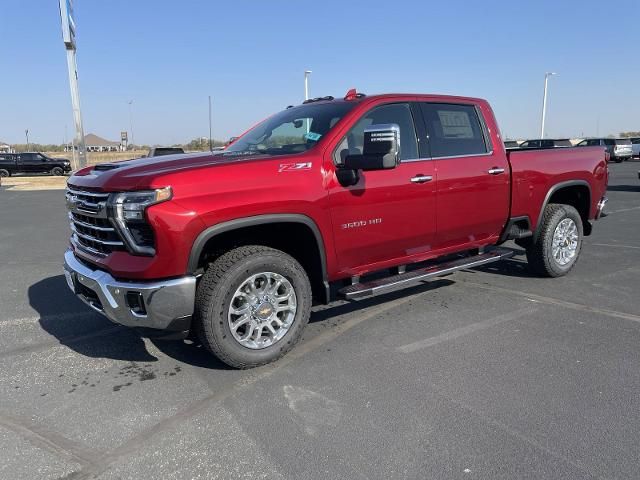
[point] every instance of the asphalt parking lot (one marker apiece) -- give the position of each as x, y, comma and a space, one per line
485, 374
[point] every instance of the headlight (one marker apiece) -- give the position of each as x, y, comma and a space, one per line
127, 213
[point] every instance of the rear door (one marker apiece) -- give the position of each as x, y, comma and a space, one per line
28, 163
389, 215
473, 191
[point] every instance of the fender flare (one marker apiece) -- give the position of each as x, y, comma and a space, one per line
554, 189
238, 223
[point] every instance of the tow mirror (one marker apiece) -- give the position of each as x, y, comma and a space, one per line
380, 150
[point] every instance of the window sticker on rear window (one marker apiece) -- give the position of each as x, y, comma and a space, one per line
313, 136
455, 124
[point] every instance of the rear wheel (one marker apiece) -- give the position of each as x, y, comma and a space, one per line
252, 305
57, 171
4, 173
617, 159
559, 242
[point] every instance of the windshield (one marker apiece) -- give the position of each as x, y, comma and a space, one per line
294, 130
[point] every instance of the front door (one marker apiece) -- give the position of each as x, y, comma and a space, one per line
389, 215
473, 181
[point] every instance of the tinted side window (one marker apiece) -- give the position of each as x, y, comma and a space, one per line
28, 157
609, 141
398, 113
454, 130
593, 141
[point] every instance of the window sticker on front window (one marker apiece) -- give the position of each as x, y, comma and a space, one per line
313, 136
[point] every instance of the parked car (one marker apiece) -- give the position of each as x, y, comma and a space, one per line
32, 162
635, 147
619, 149
546, 143
236, 246
160, 151
511, 144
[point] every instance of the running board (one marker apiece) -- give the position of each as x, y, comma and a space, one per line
382, 285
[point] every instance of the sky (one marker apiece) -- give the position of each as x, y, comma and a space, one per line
250, 56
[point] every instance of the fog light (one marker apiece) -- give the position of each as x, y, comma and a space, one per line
136, 303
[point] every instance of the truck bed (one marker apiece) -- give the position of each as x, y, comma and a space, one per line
535, 171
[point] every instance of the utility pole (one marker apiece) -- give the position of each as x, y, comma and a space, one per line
130, 102
210, 138
26, 134
544, 101
69, 39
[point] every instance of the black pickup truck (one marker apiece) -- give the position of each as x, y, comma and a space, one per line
32, 162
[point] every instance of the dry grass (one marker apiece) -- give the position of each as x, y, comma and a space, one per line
43, 182
94, 158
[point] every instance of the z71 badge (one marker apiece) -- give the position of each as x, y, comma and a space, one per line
291, 167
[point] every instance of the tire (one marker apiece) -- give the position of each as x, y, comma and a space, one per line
617, 159
57, 171
220, 286
4, 173
540, 253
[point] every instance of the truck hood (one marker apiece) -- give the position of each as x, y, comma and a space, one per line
140, 173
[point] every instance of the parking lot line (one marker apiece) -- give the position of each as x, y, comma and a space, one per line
466, 330
624, 210
48, 440
555, 301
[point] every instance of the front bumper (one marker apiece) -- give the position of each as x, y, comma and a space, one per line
165, 305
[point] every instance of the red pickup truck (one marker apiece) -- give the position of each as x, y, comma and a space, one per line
351, 197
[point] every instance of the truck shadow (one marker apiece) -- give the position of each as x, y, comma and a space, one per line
623, 188
76, 326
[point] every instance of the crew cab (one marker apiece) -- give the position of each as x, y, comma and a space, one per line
32, 162
346, 197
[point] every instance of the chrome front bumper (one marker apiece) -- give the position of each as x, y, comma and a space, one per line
162, 305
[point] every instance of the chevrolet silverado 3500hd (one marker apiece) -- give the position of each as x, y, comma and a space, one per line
237, 245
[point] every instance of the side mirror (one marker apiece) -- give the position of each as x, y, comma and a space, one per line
380, 151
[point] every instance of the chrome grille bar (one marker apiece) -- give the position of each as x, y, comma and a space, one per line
95, 239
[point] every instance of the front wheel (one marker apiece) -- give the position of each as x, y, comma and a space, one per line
252, 305
57, 171
559, 242
4, 173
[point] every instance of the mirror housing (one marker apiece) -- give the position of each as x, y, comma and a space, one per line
380, 150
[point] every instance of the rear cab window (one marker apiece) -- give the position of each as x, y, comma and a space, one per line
454, 130
623, 141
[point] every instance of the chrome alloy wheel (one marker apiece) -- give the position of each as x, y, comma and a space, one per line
262, 310
565, 242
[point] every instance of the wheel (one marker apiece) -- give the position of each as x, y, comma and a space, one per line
57, 171
4, 173
557, 247
252, 305
617, 159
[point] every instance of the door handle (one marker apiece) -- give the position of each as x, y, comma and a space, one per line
421, 178
495, 171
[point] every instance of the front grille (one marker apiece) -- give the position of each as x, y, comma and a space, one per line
91, 229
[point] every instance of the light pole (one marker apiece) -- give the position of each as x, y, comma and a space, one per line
306, 84
26, 134
210, 139
306, 94
130, 102
544, 101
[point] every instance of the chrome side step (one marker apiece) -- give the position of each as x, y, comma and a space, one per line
383, 285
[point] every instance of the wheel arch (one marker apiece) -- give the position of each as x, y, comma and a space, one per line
576, 193
206, 240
